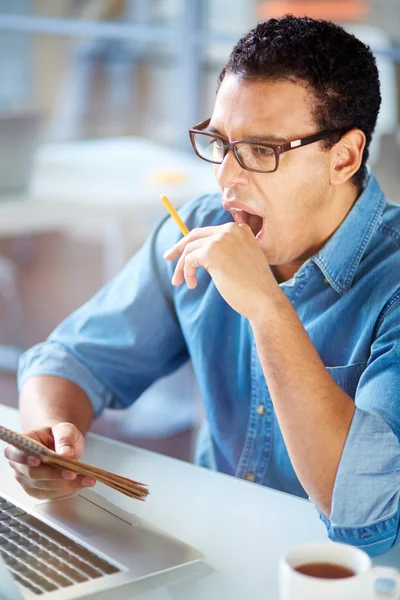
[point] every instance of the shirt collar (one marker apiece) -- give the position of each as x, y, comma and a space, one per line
341, 255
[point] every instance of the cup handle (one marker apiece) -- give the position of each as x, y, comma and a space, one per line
387, 573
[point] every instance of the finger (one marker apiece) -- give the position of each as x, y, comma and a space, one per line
193, 261
42, 484
17, 456
38, 493
69, 475
65, 487
245, 227
179, 276
68, 440
59, 485
44, 472
50, 494
195, 234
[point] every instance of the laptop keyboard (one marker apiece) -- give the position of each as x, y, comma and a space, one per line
40, 558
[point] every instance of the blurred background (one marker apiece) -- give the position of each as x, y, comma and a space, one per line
96, 97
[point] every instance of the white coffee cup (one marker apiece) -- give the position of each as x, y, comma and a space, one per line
360, 586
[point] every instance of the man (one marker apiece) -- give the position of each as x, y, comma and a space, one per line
285, 295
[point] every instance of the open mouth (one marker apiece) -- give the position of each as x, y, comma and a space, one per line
255, 222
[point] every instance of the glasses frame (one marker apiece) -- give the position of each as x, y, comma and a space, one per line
278, 149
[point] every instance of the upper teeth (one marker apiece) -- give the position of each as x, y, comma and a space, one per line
237, 209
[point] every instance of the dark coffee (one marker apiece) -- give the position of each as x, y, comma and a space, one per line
325, 571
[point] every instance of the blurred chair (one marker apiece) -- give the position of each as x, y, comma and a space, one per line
9, 355
166, 418
170, 405
20, 136
76, 114
20, 132
114, 60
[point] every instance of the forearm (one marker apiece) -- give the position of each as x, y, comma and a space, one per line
313, 411
47, 400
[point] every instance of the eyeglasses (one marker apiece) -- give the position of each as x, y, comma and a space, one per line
252, 156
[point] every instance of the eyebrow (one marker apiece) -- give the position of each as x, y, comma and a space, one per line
254, 138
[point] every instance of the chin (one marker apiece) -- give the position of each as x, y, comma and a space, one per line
274, 258
269, 254
265, 245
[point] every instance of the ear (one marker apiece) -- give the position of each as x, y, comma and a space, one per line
346, 156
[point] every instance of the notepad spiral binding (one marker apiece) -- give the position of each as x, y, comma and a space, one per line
21, 442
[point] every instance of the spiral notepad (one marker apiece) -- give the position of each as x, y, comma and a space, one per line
126, 486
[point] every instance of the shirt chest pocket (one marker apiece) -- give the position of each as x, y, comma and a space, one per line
347, 377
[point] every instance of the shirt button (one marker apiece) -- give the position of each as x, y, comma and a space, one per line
249, 476
260, 410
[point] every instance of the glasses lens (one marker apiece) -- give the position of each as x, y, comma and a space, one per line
209, 147
255, 156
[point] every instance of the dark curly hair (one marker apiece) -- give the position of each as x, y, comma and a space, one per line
339, 69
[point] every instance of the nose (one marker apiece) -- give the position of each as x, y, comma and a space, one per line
229, 172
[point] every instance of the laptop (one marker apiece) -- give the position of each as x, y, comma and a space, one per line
76, 546
8, 587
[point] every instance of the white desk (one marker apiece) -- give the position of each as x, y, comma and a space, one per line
242, 528
111, 185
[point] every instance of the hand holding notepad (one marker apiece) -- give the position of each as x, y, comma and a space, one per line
126, 486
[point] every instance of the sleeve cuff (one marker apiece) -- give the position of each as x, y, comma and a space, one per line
51, 358
367, 486
374, 539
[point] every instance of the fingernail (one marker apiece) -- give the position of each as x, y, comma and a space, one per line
87, 482
68, 475
33, 461
64, 449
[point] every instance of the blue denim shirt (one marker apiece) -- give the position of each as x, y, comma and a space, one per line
139, 328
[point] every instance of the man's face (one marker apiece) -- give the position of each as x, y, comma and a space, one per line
292, 204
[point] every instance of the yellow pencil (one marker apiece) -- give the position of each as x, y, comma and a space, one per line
174, 215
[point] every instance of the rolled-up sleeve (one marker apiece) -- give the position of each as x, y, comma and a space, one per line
52, 358
124, 338
365, 503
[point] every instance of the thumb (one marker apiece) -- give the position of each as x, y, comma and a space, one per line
68, 440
